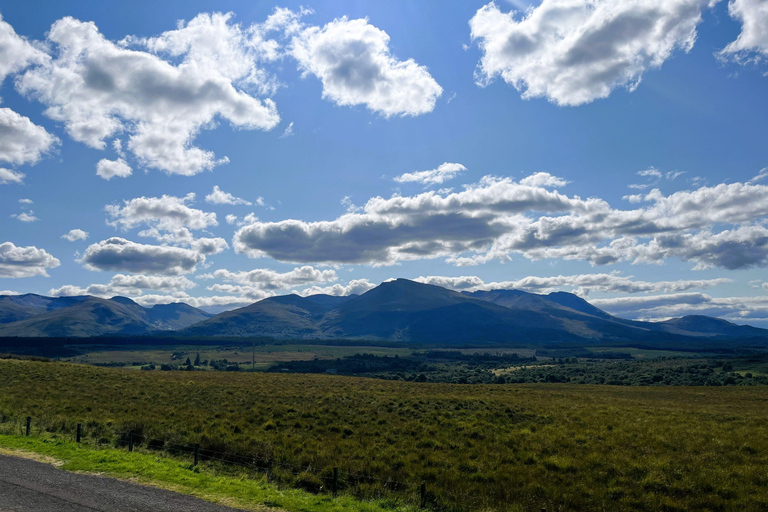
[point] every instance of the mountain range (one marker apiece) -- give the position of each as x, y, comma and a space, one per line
395, 311
33, 315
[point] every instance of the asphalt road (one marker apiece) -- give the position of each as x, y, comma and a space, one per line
30, 486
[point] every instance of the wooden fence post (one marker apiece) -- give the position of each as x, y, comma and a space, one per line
197, 451
423, 495
79, 432
130, 441
335, 481
29, 423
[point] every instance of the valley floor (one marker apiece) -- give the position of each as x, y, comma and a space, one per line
475, 447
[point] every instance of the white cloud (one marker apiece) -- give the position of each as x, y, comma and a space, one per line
651, 171
218, 196
634, 198
21, 140
354, 287
575, 51
231, 219
762, 175
267, 279
25, 216
426, 225
127, 285
25, 261
109, 169
543, 179
209, 246
753, 310
99, 89
214, 41
121, 255
752, 43
148, 300
26, 201
9, 176
260, 283
164, 213
347, 203
497, 218
288, 131
16, 53
353, 61
183, 237
446, 171
581, 284
75, 234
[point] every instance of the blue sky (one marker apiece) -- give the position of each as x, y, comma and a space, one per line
613, 149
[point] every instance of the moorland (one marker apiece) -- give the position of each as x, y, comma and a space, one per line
476, 447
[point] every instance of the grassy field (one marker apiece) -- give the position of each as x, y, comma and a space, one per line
265, 355
477, 447
234, 487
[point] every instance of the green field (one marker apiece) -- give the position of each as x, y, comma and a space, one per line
264, 355
477, 447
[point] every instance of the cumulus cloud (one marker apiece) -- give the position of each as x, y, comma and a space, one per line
719, 226
446, 171
426, 225
121, 255
270, 279
262, 282
99, 89
575, 51
164, 213
21, 140
169, 220
127, 285
581, 284
217, 301
218, 196
10, 176
25, 261
354, 287
25, 216
16, 53
209, 246
753, 310
752, 43
353, 60
543, 179
109, 169
75, 234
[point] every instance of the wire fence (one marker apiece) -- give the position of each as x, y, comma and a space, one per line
317, 479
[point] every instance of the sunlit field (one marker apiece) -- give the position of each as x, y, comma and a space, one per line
476, 447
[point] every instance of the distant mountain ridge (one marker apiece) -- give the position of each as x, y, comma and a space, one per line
407, 311
395, 311
84, 316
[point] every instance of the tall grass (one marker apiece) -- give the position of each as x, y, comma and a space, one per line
500, 447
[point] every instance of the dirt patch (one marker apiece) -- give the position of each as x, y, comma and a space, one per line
47, 459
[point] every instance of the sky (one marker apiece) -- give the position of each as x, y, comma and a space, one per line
220, 153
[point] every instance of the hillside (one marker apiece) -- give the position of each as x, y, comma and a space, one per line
38, 316
396, 311
407, 311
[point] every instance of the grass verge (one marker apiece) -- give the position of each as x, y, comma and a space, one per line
235, 489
